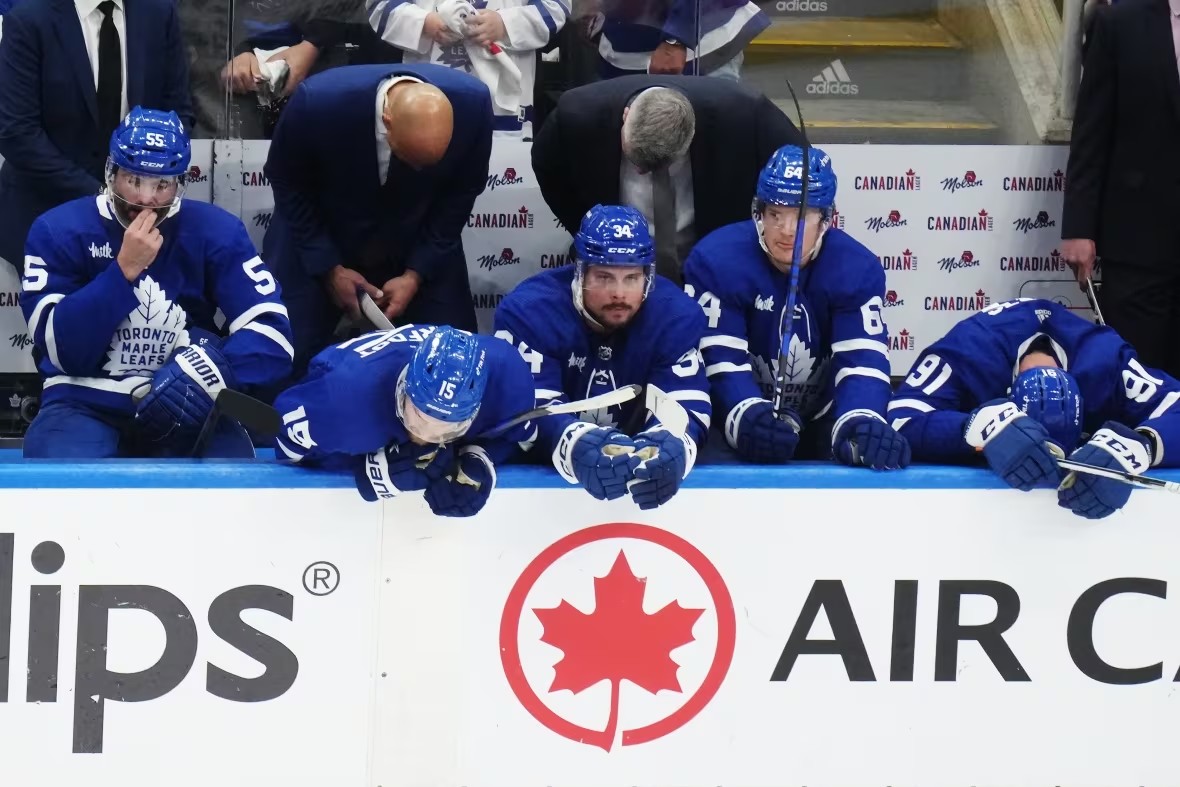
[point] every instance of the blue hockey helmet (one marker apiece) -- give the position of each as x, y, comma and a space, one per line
148, 164
616, 236
781, 181
1052, 397
444, 383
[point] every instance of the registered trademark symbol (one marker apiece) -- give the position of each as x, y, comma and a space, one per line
321, 578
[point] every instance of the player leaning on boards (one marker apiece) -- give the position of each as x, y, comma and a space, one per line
838, 380
404, 409
602, 323
1022, 381
120, 293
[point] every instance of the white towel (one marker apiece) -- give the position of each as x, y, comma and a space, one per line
274, 75
491, 63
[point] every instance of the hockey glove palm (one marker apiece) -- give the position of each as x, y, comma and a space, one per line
752, 430
464, 492
595, 457
1114, 446
869, 441
659, 464
1014, 445
401, 468
182, 394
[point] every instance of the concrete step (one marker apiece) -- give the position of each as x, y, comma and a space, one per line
857, 121
805, 9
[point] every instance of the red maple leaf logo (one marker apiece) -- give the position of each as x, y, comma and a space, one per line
903, 332
523, 209
910, 172
983, 214
980, 293
1058, 174
907, 253
1055, 254
617, 641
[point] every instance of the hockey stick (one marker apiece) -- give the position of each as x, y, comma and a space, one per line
251, 414
373, 312
1093, 298
1142, 481
788, 319
617, 396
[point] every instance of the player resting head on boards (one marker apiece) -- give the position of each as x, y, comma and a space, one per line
1026, 382
439, 392
147, 168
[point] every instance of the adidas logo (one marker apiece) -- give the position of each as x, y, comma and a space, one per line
833, 81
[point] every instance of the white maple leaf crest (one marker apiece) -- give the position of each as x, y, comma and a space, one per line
600, 416
802, 376
142, 342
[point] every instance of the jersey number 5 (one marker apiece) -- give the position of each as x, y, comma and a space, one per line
253, 268
36, 277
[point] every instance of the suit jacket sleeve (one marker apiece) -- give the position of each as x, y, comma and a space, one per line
775, 129
1093, 127
177, 91
551, 166
22, 139
440, 242
290, 167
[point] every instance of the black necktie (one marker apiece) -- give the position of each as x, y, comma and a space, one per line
664, 213
110, 72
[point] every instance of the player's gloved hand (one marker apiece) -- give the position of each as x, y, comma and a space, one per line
184, 389
407, 467
596, 457
865, 440
752, 430
463, 492
1016, 446
1114, 446
660, 462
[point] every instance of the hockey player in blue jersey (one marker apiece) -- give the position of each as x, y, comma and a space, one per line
404, 409
604, 322
1023, 382
122, 292
838, 381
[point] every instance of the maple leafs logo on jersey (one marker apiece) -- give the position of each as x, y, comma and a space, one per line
454, 56
145, 339
601, 381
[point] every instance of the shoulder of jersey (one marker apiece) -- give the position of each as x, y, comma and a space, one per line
72, 213
847, 265
544, 301
668, 304
731, 257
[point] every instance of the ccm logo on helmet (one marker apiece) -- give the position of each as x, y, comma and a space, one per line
618, 250
152, 164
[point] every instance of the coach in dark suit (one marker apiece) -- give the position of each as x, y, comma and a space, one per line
375, 170
69, 72
687, 157
1124, 174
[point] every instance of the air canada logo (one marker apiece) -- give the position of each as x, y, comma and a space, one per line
506, 257
906, 261
509, 178
902, 340
894, 219
968, 181
576, 628
1042, 221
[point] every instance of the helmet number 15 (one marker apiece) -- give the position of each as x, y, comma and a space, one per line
447, 390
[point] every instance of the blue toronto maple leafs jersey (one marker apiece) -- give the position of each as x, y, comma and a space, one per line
346, 405
569, 361
838, 352
97, 337
978, 359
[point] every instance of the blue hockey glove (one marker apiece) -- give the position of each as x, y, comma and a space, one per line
867, 440
660, 462
464, 492
752, 430
595, 457
401, 468
1114, 446
183, 391
1016, 446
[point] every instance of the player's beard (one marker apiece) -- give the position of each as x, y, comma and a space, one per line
615, 315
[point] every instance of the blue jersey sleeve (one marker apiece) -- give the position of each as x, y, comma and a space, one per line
725, 344
679, 370
931, 408
517, 330
259, 344
860, 352
510, 393
71, 313
1148, 400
